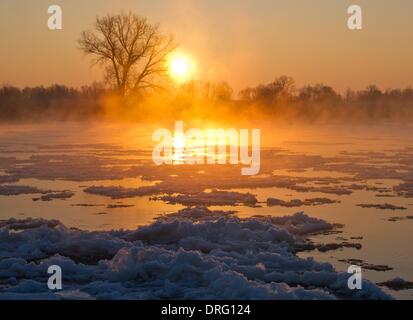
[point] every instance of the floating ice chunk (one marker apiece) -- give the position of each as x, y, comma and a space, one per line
213, 198
299, 203
385, 206
14, 190
59, 195
118, 192
191, 254
397, 284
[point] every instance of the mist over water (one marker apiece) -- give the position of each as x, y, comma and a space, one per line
347, 164
186, 164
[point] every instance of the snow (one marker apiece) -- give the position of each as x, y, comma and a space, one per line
14, 190
119, 192
397, 284
34, 239
52, 196
299, 203
385, 206
213, 198
191, 254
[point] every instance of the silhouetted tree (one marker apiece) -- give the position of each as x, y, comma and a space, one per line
281, 90
207, 91
319, 94
133, 51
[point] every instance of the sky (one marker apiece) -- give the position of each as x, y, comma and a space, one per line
243, 42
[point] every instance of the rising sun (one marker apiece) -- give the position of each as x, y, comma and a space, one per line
180, 67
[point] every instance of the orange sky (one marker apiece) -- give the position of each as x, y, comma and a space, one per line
244, 42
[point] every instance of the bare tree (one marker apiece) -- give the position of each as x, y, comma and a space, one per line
133, 51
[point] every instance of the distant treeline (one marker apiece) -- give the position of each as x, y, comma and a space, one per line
55, 101
321, 101
279, 99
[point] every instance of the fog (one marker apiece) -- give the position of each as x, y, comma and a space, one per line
278, 101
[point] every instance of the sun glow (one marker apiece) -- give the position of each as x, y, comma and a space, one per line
181, 68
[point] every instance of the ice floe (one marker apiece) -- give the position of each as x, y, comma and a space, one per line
395, 219
385, 206
192, 254
213, 198
52, 196
299, 203
397, 284
119, 192
14, 190
119, 206
367, 266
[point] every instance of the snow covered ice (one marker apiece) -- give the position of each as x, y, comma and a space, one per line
191, 254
